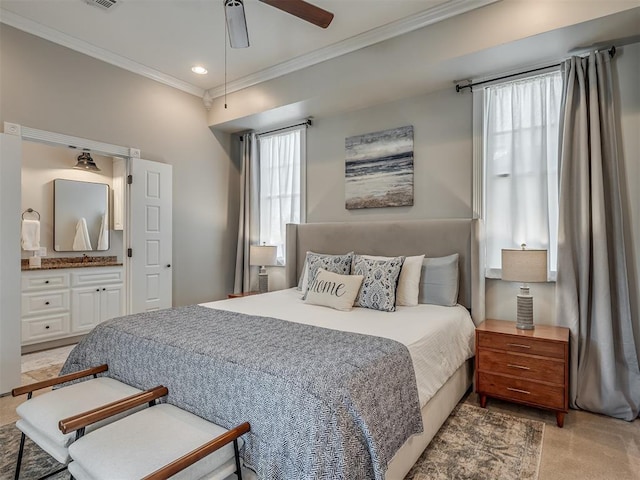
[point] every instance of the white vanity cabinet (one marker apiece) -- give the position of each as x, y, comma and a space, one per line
96, 295
69, 302
45, 306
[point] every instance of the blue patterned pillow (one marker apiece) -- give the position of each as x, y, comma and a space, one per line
340, 264
378, 290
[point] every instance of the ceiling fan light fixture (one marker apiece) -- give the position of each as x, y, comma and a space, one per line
236, 23
85, 162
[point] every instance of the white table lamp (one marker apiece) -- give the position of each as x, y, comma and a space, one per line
526, 266
262, 256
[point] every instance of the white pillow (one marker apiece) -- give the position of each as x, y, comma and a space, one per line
439, 281
333, 290
408, 281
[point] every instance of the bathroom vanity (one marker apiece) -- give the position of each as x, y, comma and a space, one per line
67, 297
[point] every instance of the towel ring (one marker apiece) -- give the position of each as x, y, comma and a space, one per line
31, 210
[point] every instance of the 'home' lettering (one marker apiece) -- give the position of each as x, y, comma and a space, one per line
332, 288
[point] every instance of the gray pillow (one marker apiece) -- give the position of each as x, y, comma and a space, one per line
439, 281
378, 290
340, 264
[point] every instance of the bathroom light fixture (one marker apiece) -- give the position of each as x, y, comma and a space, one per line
85, 162
199, 69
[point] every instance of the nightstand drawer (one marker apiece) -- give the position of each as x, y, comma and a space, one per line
520, 344
510, 388
523, 366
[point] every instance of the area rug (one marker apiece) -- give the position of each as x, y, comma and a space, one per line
473, 443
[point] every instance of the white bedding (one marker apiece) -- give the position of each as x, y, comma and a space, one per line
439, 338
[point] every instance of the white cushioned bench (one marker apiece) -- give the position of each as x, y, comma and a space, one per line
158, 442
39, 415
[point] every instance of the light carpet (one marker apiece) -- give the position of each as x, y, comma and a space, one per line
474, 443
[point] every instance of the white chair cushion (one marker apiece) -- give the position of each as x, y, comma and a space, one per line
41, 414
146, 441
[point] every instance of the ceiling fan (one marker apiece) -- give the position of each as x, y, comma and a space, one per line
237, 23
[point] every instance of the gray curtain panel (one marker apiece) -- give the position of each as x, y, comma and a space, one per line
249, 216
592, 295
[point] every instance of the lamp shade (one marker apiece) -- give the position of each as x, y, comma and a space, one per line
519, 265
262, 255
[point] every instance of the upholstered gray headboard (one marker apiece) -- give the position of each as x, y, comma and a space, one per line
435, 238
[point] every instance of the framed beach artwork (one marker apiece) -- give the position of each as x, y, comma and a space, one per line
379, 169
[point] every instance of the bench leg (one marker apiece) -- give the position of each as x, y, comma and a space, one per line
20, 451
237, 454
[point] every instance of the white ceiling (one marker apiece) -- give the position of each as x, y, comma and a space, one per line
163, 39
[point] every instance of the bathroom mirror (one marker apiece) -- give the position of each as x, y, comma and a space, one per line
80, 216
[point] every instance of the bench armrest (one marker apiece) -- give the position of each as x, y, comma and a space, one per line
82, 420
58, 380
199, 453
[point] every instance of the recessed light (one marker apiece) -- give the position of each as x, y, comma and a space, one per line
199, 69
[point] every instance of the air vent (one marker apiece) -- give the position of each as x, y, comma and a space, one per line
102, 4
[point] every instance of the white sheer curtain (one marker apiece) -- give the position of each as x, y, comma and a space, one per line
280, 185
521, 167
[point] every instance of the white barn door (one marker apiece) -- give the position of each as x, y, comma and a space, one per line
150, 235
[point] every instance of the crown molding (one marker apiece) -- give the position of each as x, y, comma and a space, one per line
376, 35
365, 39
42, 31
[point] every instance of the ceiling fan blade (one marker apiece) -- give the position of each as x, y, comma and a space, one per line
236, 23
303, 10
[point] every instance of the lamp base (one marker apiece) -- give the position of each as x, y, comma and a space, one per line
524, 319
263, 282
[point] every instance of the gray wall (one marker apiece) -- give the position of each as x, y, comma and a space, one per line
49, 87
442, 158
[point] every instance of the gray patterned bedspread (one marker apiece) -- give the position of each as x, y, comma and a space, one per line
323, 404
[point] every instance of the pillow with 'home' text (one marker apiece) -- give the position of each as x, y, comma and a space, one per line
333, 290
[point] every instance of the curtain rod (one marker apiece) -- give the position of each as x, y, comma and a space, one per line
459, 88
306, 123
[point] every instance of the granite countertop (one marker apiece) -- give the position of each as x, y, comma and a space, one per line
72, 262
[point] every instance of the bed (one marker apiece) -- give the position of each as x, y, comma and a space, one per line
375, 428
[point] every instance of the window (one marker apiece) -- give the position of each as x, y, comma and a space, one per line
281, 157
520, 143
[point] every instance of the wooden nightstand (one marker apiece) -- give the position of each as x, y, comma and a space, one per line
524, 366
243, 294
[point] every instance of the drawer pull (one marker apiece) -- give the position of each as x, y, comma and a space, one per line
518, 390
519, 345
46, 281
47, 327
46, 303
521, 367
